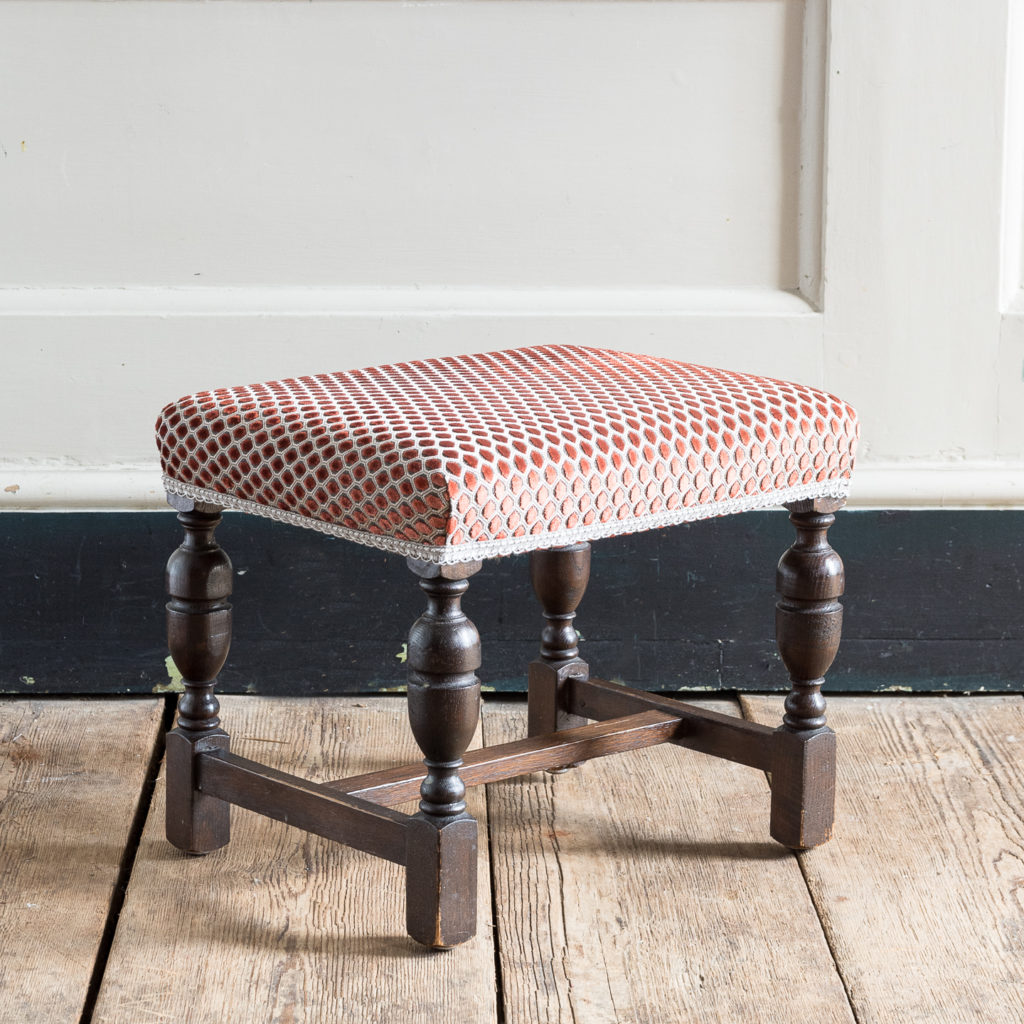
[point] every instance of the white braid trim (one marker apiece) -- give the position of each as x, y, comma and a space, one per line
479, 550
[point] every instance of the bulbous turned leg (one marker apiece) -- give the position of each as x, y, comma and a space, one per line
559, 577
808, 624
198, 636
444, 709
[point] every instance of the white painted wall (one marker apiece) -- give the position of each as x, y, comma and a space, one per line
196, 194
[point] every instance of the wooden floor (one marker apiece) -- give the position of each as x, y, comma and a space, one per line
638, 889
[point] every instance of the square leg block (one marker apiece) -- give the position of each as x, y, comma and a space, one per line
440, 881
803, 788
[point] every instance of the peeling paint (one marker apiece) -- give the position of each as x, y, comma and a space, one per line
403, 654
392, 689
175, 685
12, 488
28, 680
168, 688
897, 689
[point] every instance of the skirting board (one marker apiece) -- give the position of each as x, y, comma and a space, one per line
933, 605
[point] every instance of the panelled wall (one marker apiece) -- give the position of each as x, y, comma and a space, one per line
196, 194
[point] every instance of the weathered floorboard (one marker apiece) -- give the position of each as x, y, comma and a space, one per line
644, 889
71, 774
283, 926
921, 890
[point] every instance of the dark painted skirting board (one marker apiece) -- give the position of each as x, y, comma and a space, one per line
933, 604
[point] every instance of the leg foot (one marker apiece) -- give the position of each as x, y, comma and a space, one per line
196, 823
803, 788
441, 882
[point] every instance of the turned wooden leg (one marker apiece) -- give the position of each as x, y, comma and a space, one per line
808, 623
444, 708
559, 577
198, 635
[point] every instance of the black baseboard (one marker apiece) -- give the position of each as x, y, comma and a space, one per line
933, 604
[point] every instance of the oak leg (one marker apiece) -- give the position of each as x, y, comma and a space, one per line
808, 624
444, 708
559, 577
198, 636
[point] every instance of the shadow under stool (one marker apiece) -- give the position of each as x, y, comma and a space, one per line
452, 461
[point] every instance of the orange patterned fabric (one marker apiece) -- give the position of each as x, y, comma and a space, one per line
466, 457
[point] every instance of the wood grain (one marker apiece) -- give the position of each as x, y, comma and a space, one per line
707, 731
644, 889
71, 774
507, 760
921, 890
310, 806
282, 926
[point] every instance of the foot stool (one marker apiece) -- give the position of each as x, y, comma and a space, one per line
451, 461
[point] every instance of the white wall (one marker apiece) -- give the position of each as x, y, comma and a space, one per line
195, 194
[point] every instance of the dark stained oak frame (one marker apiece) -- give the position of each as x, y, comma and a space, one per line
572, 718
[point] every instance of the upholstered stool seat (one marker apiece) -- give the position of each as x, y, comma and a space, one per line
467, 457
451, 461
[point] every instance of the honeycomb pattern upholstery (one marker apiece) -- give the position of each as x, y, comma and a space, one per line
466, 457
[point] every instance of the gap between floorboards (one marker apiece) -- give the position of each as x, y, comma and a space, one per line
829, 939
128, 855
